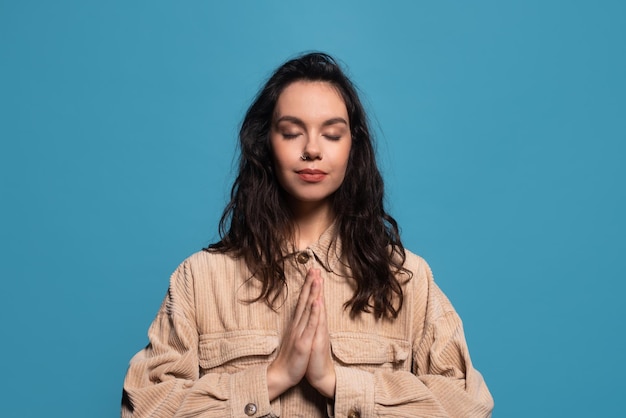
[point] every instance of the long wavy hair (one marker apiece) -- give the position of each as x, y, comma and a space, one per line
257, 220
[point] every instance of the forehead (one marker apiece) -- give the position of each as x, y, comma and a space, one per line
311, 99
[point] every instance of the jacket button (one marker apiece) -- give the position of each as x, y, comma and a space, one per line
250, 409
354, 414
302, 257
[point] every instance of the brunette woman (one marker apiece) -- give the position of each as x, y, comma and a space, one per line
309, 305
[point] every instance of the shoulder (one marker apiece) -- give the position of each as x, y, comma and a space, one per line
209, 261
205, 265
424, 283
207, 275
417, 266
422, 286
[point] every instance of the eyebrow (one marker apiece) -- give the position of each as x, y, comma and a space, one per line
299, 121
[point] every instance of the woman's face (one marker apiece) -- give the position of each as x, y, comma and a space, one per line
310, 139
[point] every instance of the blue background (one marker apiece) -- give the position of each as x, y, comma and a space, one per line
501, 131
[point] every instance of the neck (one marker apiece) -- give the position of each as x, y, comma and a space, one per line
311, 220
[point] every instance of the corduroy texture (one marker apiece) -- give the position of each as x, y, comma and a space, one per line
209, 349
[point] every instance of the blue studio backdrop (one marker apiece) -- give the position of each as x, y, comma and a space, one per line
501, 135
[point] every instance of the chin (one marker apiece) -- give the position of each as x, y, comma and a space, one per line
310, 199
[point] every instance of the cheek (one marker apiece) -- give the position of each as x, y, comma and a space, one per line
275, 157
279, 161
345, 158
280, 152
346, 163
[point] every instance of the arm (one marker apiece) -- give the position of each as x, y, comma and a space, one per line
163, 380
442, 381
447, 387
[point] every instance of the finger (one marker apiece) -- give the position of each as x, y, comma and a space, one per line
306, 334
317, 309
314, 294
322, 301
321, 340
310, 330
309, 319
316, 285
321, 281
303, 298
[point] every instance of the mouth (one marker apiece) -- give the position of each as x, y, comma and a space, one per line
311, 176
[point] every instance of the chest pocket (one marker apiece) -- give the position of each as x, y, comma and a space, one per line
370, 351
234, 351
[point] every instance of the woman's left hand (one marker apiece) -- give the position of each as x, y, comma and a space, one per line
321, 371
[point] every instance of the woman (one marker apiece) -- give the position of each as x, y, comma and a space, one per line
309, 305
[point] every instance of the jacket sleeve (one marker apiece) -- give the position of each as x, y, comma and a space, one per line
442, 381
163, 380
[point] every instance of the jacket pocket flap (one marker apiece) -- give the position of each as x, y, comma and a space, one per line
358, 348
216, 350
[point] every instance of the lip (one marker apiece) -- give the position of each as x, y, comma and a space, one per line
311, 175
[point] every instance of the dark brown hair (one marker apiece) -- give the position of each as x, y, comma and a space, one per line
257, 219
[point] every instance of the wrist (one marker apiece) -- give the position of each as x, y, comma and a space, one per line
277, 381
328, 385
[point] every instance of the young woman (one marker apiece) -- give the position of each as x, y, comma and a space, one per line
309, 305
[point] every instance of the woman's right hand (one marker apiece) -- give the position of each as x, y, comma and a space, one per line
290, 365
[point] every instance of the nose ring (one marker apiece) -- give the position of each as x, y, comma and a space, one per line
304, 157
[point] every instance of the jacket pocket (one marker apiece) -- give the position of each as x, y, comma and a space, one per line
232, 351
370, 351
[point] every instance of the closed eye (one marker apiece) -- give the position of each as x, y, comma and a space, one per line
290, 135
333, 137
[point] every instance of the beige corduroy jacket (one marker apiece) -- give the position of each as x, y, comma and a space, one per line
209, 349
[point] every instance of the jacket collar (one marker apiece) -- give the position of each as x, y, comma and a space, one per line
327, 250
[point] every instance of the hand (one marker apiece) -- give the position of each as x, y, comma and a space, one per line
292, 360
321, 371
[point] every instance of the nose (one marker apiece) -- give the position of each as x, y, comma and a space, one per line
312, 150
